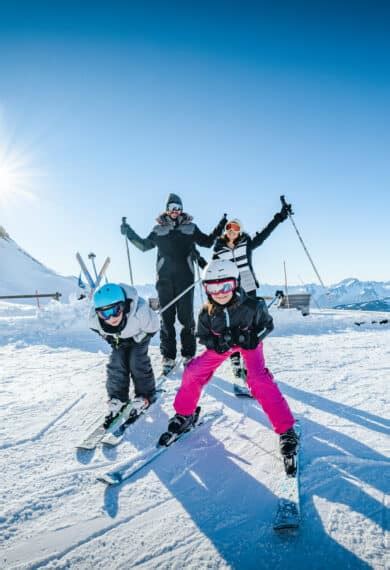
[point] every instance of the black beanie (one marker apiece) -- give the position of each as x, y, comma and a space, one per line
174, 199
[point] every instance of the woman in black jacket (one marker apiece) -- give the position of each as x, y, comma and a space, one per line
237, 246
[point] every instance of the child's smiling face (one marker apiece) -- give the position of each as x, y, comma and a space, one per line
222, 298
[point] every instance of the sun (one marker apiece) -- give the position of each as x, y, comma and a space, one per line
18, 174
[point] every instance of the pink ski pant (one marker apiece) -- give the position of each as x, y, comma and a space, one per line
259, 379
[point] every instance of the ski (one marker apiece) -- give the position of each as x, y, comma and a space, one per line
115, 437
288, 515
98, 432
102, 272
84, 269
127, 470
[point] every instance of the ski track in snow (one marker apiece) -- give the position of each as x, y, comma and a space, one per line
209, 501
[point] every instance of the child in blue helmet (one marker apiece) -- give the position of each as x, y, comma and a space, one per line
127, 323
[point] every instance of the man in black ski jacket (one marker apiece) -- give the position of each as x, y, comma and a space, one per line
175, 236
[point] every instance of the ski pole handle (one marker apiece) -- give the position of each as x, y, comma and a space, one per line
285, 205
128, 254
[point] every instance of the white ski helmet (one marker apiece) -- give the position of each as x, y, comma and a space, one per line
219, 270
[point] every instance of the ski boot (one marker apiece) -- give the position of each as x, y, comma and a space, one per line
168, 364
240, 386
138, 406
238, 370
115, 406
288, 444
178, 425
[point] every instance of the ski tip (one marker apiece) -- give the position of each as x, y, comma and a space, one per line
286, 528
110, 478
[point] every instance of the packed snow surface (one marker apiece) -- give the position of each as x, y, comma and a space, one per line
209, 501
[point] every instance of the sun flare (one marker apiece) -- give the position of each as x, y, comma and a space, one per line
18, 176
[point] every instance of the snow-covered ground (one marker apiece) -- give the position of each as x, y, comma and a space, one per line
209, 501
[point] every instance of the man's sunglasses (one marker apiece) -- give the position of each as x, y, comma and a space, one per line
220, 287
106, 313
174, 208
233, 226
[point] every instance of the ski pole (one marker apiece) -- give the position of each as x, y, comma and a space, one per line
128, 255
178, 297
290, 213
272, 302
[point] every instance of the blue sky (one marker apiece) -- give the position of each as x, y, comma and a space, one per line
106, 107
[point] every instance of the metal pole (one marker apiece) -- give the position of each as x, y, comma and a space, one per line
283, 200
178, 297
128, 255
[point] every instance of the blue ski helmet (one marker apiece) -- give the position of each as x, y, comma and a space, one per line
107, 295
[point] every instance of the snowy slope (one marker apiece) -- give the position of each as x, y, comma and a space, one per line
22, 274
209, 501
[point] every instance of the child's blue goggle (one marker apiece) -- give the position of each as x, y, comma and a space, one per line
106, 313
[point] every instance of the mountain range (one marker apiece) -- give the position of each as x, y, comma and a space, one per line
21, 274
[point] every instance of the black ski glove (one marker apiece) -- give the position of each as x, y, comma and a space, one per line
248, 339
223, 343
112, 340
284, 212
221, 226
125, 228
202, 262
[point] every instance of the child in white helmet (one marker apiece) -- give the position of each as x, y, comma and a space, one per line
230, 322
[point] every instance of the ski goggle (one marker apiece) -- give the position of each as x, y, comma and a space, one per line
106, 313
174, 208
220, 287
233, 226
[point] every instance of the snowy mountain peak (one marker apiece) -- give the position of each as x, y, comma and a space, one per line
3, 233
21, 274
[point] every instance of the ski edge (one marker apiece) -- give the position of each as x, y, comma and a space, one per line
118, 475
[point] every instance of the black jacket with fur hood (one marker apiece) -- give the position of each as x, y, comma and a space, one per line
175, 241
